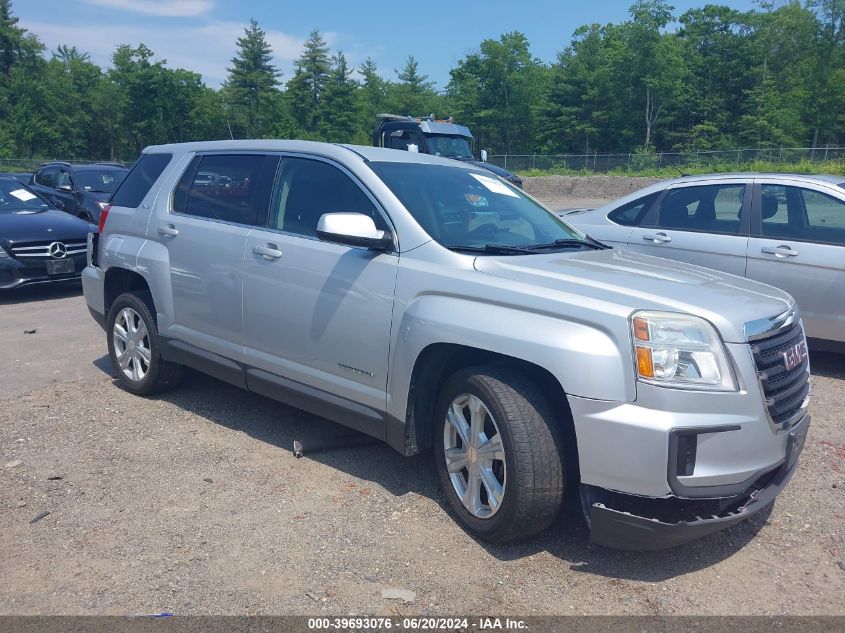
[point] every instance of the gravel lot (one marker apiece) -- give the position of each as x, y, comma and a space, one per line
193, 503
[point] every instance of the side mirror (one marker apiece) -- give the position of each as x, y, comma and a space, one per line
64, 188
354, 229
484, 156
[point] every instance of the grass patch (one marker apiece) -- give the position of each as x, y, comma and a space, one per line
833, 167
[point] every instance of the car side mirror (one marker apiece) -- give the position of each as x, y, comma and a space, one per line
484, 156
65, 188
354, 229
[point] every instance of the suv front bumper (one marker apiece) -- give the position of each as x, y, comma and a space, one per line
629, 530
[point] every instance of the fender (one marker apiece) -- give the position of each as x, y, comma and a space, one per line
585, 360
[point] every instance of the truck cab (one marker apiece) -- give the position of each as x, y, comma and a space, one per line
429, 135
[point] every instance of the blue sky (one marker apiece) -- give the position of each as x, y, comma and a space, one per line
200, 34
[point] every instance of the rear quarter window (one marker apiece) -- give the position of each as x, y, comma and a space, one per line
140, 180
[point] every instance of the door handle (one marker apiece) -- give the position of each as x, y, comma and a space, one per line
779, 251
268, 251
657, 238
168, 231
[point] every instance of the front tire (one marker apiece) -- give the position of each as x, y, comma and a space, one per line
135, 347
499, 454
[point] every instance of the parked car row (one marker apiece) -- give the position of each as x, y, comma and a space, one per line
781, 229
38, 243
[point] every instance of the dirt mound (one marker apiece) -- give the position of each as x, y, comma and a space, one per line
584, 187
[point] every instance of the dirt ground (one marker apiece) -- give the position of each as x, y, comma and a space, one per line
573, 192
193, 503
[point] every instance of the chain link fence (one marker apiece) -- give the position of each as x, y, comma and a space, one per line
717, 160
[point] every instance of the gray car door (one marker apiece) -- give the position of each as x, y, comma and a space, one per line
218, 200
798, 244
317, 315
704, 223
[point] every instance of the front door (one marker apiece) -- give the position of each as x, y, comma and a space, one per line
798, 244
317, 315
703, 224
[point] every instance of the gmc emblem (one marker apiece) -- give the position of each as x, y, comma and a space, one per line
794, 355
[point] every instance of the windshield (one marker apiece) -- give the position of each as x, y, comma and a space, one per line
473, 210
448, 146
15, 197
105, 180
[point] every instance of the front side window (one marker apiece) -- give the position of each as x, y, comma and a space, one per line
64, 179
707, 208
307, 189
47, 177
448, 146
801, 214
230, 188
401, 139
632, 213
473, 210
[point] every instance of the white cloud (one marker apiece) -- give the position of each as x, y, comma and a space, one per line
207, 48
168, 8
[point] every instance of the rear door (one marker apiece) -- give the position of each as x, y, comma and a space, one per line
798, 244
218, 201
705, 223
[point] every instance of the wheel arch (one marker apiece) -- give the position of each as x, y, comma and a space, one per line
437, 362
120, 280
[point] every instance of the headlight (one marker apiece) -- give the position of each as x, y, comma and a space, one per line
3, 252
680, 350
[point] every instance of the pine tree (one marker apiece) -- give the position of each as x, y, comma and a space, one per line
338, 109
306, 87
251, 76
414, 94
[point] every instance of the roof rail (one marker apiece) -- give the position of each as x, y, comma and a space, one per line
384, 116
55, 162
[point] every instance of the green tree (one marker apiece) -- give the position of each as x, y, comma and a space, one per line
305, 89
251, 77
338, 109
413, 94
495, 91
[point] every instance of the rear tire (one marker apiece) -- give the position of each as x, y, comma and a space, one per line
135, 347
504, 476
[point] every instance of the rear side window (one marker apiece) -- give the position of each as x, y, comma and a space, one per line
227, 187
140, 180
632, 213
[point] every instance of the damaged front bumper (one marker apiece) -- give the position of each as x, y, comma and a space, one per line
633, 523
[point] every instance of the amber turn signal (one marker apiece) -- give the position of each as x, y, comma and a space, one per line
645, 366
641, 329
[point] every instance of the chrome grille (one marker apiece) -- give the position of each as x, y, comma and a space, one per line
42, 249
785, 390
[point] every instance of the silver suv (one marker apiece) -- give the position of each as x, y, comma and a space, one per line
429, 304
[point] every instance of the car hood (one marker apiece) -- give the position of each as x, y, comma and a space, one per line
18, 227
641, 282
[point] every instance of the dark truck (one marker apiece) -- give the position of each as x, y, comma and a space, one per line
431, 136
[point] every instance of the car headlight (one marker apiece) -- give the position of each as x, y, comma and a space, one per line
681, 351
3, 252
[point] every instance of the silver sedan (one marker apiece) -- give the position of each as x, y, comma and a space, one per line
782, 229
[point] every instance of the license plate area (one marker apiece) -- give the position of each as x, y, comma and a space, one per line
795, 443
59, 266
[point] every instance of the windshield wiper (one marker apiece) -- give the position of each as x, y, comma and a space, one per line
493, 249
589, 242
